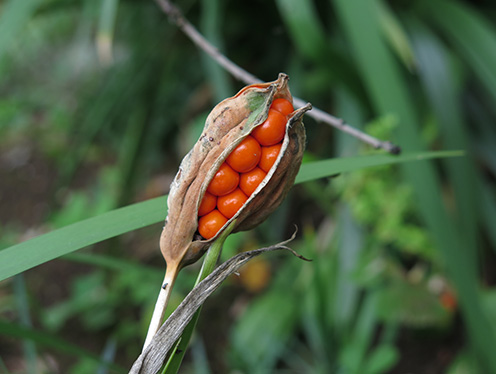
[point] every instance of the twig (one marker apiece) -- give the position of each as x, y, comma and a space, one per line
176, 17
338, 123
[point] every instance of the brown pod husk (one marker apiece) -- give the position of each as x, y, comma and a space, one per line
226, 126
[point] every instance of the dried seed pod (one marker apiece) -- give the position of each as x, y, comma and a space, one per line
229, 123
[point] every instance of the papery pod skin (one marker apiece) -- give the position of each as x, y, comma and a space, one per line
226, 126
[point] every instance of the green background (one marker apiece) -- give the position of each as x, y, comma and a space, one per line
101, 99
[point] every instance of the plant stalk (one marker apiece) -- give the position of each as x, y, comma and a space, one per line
208, 266
161, 304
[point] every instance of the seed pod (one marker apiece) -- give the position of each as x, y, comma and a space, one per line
228, 124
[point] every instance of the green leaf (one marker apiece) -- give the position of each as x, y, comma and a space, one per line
389, 93
212, 16
209, 263
395, 34
30, 355
382, 359
437, 75
475, 41
330, 167
304, 26
105, 34
15, 16
264, 328
46, 247
354, 353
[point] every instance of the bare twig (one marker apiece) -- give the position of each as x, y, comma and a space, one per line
176, 16
338, 123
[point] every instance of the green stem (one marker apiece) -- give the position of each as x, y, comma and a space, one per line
25, 320
208, 266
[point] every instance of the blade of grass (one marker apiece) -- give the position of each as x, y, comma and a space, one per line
98, 114
105, 33
212, 15
305, 27
321, 169
355, 352
395, 34
259, 340
200, 359
108, 355
15, 15
437, 77
25, 320
388, 92
475, 41
349, 250
316, 285
310, 40
24, 256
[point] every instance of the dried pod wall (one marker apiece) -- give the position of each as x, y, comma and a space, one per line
237, 173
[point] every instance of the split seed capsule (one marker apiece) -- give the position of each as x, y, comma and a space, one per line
252, 158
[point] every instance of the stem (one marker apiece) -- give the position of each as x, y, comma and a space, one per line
242, 75
161, 304
29, 346
208, 266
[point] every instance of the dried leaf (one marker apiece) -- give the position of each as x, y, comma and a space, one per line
152, 358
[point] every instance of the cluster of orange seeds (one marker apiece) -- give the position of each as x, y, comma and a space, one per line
244, 169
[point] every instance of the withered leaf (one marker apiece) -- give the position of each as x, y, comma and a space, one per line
152, 358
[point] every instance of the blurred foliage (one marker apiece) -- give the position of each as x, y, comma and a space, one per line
100, 100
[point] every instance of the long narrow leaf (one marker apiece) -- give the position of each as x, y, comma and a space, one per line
212, 17
24, 256
25, 320
15, 15
304, 25
476, 40
389, 94
437, 74
395, 34
324, 168
104, 38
